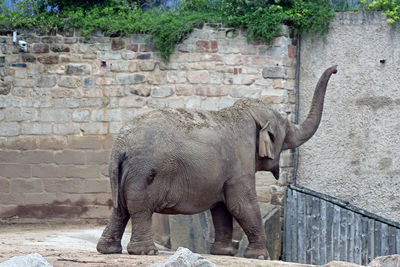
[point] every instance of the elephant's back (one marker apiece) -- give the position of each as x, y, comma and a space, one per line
171, 130
185, 120
169, 123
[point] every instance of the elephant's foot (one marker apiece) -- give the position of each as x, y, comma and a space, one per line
110, 240
142, 248
105, 246
257, 253
219, 248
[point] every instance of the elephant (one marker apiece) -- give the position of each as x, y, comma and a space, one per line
182, 161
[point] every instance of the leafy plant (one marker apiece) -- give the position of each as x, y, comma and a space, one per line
390, 8
311, 16
261, 19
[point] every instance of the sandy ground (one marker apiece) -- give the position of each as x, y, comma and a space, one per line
75, 245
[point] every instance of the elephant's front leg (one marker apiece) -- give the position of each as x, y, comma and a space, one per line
241, 201
141, 242
110, 240
223, 227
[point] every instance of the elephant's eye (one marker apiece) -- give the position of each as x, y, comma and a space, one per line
271, 137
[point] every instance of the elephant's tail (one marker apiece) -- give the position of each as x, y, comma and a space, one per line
115, 172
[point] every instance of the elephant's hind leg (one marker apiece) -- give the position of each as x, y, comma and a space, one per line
141, 242
222, 220
110, 240
241, 201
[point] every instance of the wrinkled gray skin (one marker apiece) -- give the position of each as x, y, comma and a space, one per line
188, 161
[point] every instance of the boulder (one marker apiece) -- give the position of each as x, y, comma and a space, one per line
271, 220
30, 260
161, 232
341, 264
386, 261
195, 232
183, 257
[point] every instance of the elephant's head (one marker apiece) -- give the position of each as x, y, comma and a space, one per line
276, 134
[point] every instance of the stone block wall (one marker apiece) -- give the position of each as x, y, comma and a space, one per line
62, 102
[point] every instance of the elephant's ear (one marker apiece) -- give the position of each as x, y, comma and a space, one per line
265, 136
265, 142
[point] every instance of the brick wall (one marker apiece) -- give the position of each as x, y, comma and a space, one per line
62, 102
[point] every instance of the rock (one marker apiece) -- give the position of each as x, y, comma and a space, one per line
160, 226
271, 220
341, 264
141, 91
26, 58
69, 82
183, 257
273, 72
48, 59
117, 44
264, 181
132, 47
162, 92
386, 261
120, 66
198, 76
147, 65
78, 69
125, 79
81, 115
88, 82
105, 55
144, 56
40, 48
5, 88
46, 81
196, 232
30, 260
60, 49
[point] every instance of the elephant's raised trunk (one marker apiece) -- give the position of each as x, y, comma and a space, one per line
297, 135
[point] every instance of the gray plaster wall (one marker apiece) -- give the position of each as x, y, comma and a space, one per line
355, 154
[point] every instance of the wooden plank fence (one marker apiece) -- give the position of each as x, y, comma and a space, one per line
319, 228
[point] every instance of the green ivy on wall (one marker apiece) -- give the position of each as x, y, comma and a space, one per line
390, 8
261, 19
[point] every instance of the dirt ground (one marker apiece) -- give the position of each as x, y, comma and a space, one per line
75, 245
